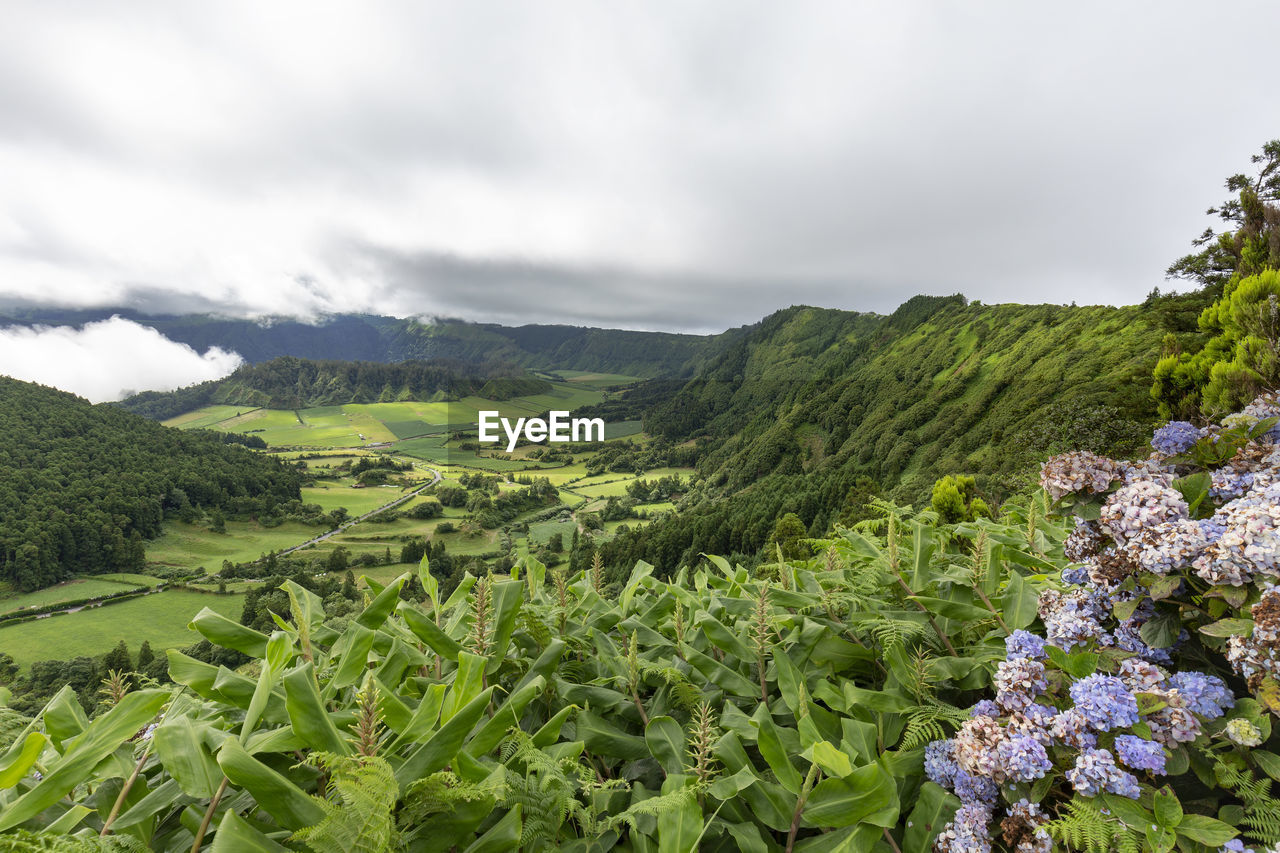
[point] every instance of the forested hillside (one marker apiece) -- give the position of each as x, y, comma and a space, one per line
294, 383
814, 411
363, 337
82, 486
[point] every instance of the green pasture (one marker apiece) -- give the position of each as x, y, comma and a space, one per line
540, 532
189, 546
331, 495
207, 417
160, 618
74, 590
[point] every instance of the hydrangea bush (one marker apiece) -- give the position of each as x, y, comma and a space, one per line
1136, 718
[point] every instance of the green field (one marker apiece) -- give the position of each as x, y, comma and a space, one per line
357, 502
76, 590
160, 618
190, 546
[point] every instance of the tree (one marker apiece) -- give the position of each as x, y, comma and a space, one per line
788, 535
1252, 242
118, 659
556, 542
955, 499
8, 669
217, 521
338, 560
145, 655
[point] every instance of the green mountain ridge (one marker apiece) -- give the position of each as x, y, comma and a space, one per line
811, 413
295, 383
366, 337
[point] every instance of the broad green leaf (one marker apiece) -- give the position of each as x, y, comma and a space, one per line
502, 837
508, 598
163, 797
1019, 603
180, 746
832, 761
352, 655
276, 795
852, 839
221, 631
1206, 830
68, 820
306, 607
307, 713
442, 746
235, 835
383, 603
103, 736
550, 731
63, 717
639, 572
922, 542
604, 738
506, 718
679, 828
868, 795
953, 609
468, 681
429, 632
770, 743
1168, 810
1229, 628
20, 758
424, 717
665, 738
934, 807
1268, 761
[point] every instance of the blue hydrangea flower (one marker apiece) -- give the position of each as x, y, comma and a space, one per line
1096, 771
940, 762
1024, 644
1235, 845
1175, 437
1105, 702
1023, 759
971, 788
1140, 753
1206, 695
985, 708
1075, 576
967, 832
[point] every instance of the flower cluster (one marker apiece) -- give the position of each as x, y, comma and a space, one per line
1175, 437
1159, 536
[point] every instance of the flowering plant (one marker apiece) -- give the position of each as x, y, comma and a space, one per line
1130, 703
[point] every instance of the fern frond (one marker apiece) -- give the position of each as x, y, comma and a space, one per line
358, 811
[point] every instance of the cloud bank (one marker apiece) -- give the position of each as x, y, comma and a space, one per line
107, 360
657, 164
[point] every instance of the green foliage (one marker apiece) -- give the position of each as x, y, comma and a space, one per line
1239, 359
520, 711
85, 485
955, 499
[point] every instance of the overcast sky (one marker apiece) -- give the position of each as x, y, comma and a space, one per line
660, 165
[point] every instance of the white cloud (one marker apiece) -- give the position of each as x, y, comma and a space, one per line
857, 153
107, 360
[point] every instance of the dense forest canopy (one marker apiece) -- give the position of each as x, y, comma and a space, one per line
82, 486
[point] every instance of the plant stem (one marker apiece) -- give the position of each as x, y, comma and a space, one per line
889, 837
800, 801
208, 816
942, 636
124, 792
992, 608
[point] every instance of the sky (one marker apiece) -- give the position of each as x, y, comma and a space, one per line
656, 165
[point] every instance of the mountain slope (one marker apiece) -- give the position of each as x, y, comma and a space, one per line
81, 486
294, 383
809, 407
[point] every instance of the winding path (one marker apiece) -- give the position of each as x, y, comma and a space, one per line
436, 477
